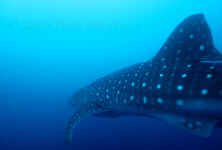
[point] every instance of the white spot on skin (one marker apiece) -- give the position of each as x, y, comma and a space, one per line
181, 30
189, 65
204, 92
144, 99
133, 84
107, 96
159, 100
212, 67
202, 47
161, 75
131, 98
144, 84
179, 87
191, 36
164, 67
118, 92
184, 75
158, 86
198, 123
190, 125
209, 76
147, 73
180, 102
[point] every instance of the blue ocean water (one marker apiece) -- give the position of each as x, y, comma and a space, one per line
50, 48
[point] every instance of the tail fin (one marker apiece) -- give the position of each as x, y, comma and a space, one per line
73, 121
76, 117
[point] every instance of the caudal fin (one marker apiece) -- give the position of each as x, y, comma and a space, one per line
73, 121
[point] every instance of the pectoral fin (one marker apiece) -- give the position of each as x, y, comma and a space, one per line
108, 114
197, 126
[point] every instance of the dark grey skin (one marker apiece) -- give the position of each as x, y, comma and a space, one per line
181, 85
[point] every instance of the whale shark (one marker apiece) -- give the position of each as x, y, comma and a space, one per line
181, 85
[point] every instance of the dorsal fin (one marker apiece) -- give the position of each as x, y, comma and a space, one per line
190, 41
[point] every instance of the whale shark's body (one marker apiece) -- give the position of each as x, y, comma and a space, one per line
181, 85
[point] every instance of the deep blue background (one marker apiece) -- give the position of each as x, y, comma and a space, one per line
50, 48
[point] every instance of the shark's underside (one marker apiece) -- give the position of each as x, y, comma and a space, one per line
181, 85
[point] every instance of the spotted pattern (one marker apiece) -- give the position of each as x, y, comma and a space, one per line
171, 72
165, 83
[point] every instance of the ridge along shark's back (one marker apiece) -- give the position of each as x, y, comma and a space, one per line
177, 84
190, 41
